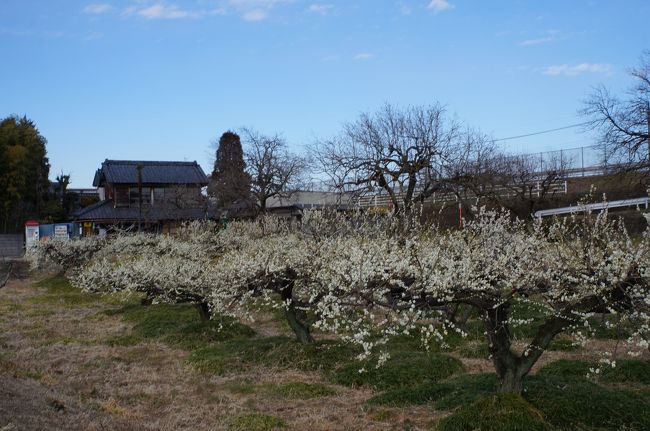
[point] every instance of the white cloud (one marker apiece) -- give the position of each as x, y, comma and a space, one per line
319, 8
440, 5
551, 36
255, 15
98, 8
254, 10
364, 56
578, 69
248, 10
162, 11
537, 41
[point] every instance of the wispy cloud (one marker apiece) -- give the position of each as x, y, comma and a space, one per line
364, 56
168, 11
440, 5
319, 8
578, 69
551, 36
254, 10
161, 11
248, 10
538, 41
98, 8
255, 15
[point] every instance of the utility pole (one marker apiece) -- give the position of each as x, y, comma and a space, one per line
139, 167
647, 138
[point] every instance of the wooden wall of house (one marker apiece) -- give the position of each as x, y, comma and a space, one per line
121, 196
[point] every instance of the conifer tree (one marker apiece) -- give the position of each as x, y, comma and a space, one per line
24, 170
230, 183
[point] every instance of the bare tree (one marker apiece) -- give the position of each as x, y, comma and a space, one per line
624, 124
274, 171
522, 183
401, 152
470, 172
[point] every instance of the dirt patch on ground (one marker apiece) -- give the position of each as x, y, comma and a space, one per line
57, 371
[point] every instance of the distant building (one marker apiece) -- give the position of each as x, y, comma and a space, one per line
293, 205
155, 195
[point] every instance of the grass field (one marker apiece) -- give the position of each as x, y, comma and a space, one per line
71, 360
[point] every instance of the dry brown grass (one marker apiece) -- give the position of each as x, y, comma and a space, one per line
57, 372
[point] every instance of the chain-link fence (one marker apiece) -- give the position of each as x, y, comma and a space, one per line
574, 162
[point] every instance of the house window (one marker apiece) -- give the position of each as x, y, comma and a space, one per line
134, 195
158, 195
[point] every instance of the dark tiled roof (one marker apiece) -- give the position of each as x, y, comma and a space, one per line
153, 172
105, 212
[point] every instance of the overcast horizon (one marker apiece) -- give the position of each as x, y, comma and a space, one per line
161, 80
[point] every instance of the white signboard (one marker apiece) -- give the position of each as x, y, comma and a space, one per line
31, 235
61, 232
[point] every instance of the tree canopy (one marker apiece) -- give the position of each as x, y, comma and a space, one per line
229, 182
24, 170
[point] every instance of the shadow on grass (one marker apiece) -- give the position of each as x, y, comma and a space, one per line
566, 399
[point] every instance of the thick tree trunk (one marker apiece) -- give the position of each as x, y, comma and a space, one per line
511, 368
512, 382
506, 362
204, 311
296, 319
146, 301
299, 328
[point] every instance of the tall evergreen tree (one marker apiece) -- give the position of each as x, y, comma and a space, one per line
229, 183
24, 170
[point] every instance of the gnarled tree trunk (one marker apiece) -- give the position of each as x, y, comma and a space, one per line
295, 317
511, 367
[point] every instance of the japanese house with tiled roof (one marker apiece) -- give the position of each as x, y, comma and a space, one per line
154, 194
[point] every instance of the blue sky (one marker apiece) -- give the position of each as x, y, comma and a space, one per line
150, 79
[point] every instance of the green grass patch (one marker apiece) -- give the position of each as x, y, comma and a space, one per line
566, 402
11, 307
401, 370
300, 390
254, 421
562, 345
276, 352
242, 387
59, 291
124, 340
454, 392
573, 403
177, 324
502, 412
626, 371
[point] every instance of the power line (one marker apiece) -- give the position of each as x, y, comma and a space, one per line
542, 132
